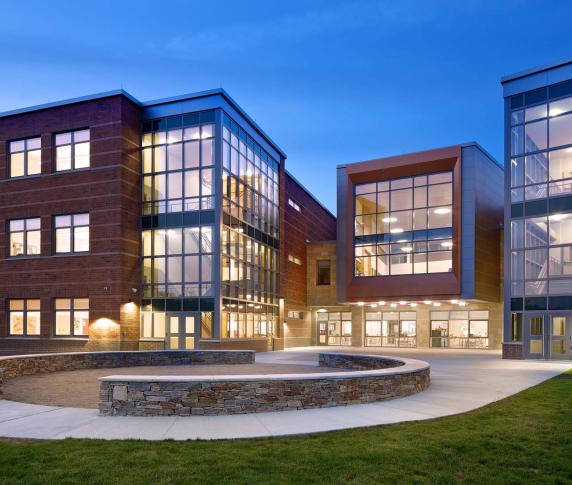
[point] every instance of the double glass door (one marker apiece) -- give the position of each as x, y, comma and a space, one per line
548, 336
182, 330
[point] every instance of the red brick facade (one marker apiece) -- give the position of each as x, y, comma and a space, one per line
312, 223
109, 190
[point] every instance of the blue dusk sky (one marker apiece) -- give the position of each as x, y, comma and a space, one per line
330, 81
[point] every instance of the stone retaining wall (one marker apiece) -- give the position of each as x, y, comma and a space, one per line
16, 366
217, 395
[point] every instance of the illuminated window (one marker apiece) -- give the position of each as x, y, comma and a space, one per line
72, 317
24, 237
294, 205
72, 150
296, 314
404, 226
24, 317
25, 157
72, 233
294, 259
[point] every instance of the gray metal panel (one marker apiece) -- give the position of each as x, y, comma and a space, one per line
535, 70
341, 247
468, 212
537, 79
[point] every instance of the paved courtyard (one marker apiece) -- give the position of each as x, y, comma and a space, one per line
80, 388
461, 381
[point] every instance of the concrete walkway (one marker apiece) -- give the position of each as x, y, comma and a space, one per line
461, 381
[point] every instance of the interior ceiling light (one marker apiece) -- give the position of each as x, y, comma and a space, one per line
389, 219
427, 302
557, 217
396, 230
407, 249
402, 302
442, 210
447, 244
381, 302
436, 304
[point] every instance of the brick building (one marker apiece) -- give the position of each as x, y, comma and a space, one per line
140, 225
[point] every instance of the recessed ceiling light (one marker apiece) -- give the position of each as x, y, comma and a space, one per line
557, 217
396, 230
407, 249
454, 302
360, 303
436, 304
402, 302
413, 304
427, 302
442, 210
389, 219
447, 244
381, 302
392, 305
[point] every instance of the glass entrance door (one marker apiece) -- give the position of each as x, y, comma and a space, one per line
534, 333
182, 329
440, 333
560, 336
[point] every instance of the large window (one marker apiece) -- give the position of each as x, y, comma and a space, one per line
540, 163
72, 150
541, 255
404, 226
72, 233
25, 157
72, 317
24, 237
24, 317
391, 329
178, 262
334, 328
460, 329
178, 169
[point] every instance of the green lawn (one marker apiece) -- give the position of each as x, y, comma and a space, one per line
527, 437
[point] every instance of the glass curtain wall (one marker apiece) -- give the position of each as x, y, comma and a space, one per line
249, 236
178, 165
404, 226
460, 329
541, 234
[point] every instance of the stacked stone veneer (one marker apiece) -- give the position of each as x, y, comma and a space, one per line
23, 365
183, 396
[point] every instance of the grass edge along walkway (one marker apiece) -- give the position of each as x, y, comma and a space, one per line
523, 438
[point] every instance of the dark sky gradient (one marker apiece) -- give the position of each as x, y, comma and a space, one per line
330, 81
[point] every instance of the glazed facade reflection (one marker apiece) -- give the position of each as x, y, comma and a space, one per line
249, 236
404, 226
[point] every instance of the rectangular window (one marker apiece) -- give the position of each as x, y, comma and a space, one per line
294, 259
24, 237
72, 150
72, 317
410, 219
24, 317
294, 205
72, 233
296, 314
25, 157
323, 272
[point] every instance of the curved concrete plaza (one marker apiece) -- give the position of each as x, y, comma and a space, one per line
460, 382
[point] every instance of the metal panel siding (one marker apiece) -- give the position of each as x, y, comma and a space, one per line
537, 80
342, 181
468, 210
